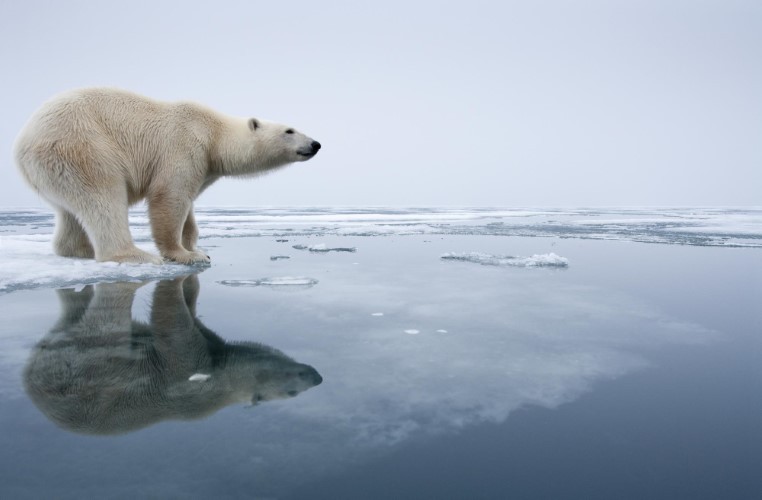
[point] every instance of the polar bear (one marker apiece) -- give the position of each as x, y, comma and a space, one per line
99, 371
93, 152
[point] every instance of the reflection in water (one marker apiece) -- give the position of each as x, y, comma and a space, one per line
100, 372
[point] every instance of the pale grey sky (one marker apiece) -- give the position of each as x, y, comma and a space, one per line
509, 103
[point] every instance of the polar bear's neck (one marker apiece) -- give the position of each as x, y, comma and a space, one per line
236, 153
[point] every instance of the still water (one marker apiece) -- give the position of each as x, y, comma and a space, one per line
368, 366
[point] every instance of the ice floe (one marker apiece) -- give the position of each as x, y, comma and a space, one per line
280, 281
322, 248
279, 257
28, 261
199, 377
485, 259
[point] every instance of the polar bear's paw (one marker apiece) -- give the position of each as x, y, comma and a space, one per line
136, 256
186, 257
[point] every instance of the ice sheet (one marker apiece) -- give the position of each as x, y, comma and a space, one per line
27, 260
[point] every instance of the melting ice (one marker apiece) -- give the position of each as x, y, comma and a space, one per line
485, 259
27, 259
275, 282
322, 248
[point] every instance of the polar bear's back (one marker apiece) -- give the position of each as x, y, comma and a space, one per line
83, 113
95, 135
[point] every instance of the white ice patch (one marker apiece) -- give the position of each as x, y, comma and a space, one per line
199, 377
322, 248
412, 331
441, 331
377, 314
27, 261
274, 282
485, 259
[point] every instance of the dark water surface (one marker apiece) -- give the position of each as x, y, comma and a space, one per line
635, 372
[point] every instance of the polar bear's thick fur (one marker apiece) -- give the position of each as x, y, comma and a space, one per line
93, 152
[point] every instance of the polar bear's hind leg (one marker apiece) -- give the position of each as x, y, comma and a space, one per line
70, 239
105, 219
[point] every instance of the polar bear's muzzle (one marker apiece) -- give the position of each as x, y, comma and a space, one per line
309, 152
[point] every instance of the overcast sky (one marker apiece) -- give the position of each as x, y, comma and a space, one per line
502, 103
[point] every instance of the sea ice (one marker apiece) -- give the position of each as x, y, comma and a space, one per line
377, 314
199, 377
27, 261
322, 248
279, 257
485, 259
412, 331
275, 281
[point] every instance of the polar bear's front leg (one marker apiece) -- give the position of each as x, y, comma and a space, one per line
190, 231
168, 214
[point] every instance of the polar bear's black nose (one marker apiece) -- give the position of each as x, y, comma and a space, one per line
315, 146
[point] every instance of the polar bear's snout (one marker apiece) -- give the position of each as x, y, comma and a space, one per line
310, 151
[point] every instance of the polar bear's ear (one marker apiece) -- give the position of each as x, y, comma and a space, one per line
253, 124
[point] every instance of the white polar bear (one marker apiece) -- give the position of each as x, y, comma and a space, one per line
93, 152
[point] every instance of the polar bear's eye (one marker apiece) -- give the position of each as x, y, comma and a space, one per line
290, 131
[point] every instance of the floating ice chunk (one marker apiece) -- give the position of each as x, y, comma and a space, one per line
377, 314
281, 241
279, 257
322, 248
276, 281
199, 377
485, 259
412, 331
441, 331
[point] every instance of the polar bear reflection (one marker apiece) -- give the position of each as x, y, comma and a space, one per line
100, 372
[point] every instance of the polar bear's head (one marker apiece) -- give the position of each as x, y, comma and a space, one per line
252, 146
279, 144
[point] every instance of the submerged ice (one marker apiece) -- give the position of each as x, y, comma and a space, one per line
485, 259
287, 281
322, 248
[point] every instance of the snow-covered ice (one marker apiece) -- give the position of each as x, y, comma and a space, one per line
27, 261
199, 377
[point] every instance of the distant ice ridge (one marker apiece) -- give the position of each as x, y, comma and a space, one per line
289, 281
726, 227
28, 261
485, 259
